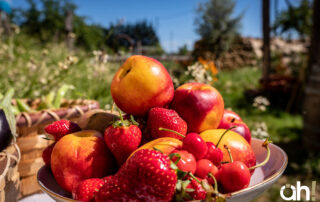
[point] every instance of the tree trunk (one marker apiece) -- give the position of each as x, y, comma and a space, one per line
69, 29
266, 38
311, 110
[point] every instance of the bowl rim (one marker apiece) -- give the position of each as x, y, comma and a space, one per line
49, 192
270, 178
236, 193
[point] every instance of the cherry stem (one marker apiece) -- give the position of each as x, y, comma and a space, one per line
266, 145
229, 152
194, 177
172, 131
225, 132
215, 182
112, 107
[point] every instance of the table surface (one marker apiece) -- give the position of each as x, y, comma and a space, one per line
36, 198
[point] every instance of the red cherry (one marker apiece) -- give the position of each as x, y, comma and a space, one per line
187, 162
214, 154
204, 167
234, 176
194, 144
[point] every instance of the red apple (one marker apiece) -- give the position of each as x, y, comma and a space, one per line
140, 84
200, 105
79, 156
231, 119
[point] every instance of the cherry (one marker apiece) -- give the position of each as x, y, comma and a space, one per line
214, 154
184, 160
204, 167
236, 175
193, 143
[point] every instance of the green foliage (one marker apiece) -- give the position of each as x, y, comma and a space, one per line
130, 35
295, 19
216, 25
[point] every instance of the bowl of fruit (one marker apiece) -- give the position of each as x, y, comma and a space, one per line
170, 145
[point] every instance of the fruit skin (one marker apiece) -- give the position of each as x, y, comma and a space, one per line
122, 141
234, 176
165, 118
145, 176
200, 105
46, 154
204, 167
140, 84
231, 119
240, 148
165, 144
87, 189
194, 144
214, 154
79, 156
58, 129
187, 163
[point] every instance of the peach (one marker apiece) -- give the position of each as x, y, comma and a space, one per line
240, 149
79, 156
140, 84
200, 105
165, 144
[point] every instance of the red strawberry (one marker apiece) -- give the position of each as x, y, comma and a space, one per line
114, 190
146, 176
165, 118
61, 128
87, 189
46, 154
150, 174
198, 192
122, 139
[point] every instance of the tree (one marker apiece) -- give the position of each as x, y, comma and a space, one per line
311, 133
130, 35
296, 19
216, 26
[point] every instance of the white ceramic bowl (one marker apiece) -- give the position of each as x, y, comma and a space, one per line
261, 180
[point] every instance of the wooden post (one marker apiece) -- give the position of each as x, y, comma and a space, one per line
266, 38
311, 111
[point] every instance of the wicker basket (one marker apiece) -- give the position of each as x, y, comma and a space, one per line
9, 175
29, 128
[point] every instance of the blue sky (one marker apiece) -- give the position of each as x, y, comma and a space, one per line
173, 19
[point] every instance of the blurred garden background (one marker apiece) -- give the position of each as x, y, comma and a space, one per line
266, 78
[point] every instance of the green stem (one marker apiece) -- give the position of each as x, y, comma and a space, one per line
229, 152
172, 131
225, 132
215, 182
194, 177
121, 118
112, 107
266, 145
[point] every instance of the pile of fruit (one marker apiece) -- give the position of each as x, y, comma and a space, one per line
178, 145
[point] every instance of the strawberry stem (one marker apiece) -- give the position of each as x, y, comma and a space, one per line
229, 152
121, 118
225, 132
194, 177
172, 131
266, 145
